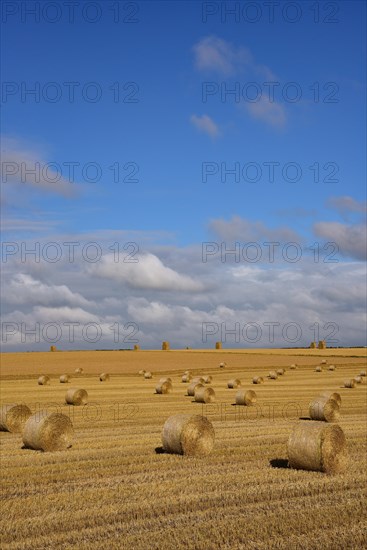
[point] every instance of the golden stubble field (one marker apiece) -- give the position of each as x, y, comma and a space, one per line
114, 489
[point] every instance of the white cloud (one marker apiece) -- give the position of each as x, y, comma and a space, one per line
242, 230
214, 54
351, 239
148, 273
205, 124
347, 204
271, 112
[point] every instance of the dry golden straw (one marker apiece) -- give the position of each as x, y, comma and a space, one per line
79, 370
48, 432
317, 446
76, 396
349, 383
186, 378
64, 379
165, 379
204, 394
324, 408
272, 375
164, 387
198, 380
104, 377
208, 379
246, 397
43, 380
13, 417
258, 380
193, 387
188, 435
332, 395
234, 383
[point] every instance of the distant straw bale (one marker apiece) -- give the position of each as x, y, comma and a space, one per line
222, 365
331, 367
204, 394
53, 348
64, 379
293, 366
198, 379
324, 362
208, 379
246, 397
324, 408
234, 383
148, 375
362, 373
188, 435
349, 383
218, 345
194, 386
358, 379
48, 432
164, 379
76, 397
165, 345
79, 370
318, 368
186, 378
313, 345
164, 387
258, 380
13, 417
43, 380
322, 344
136, 347
280, 372
332, 395
104, 377
272, 375
142, 372
317, 446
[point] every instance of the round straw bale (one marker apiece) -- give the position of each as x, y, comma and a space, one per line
349, 383
76, 396
186, 378
79, 370
222, 365
164, 387
272, 375
188, 435
13, 417
293, 366
208, 379
198, 380
141, 372
331, 367
324, 408
43, 380
332, 395
318, 368
246, 397
362, 373
234, 383
64, 379
358, 379
324, 362
148, 375
258, 380
280, 372
48, 432
193, 387
204, 394
187, 372
317, 446
104, 377
164, 379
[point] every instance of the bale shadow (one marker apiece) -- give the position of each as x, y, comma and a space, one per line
160, 451
278, 463
304, 418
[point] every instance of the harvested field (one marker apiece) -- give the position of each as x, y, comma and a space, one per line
115, 487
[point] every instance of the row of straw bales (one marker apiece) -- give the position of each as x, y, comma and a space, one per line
44, 380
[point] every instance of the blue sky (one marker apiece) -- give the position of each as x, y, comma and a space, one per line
169, 55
